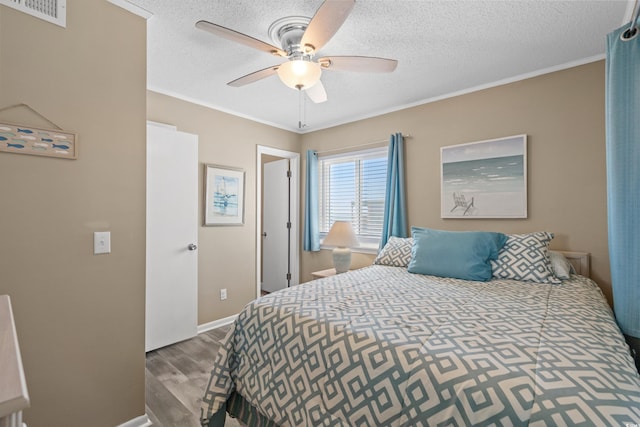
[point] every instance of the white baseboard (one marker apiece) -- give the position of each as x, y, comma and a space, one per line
141, 421
216, 324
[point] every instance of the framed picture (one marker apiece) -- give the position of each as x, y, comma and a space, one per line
224, 195
21, 139
485, 179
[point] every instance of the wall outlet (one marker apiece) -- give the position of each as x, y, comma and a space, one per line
223, 294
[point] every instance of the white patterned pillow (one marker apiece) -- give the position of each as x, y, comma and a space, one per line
562, 268
396, 252
525, 257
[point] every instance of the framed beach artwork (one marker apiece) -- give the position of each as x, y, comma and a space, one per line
224, 195
485, 179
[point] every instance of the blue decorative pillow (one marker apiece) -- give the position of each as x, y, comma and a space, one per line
525, 257
458, 254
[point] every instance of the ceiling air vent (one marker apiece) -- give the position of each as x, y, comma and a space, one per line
54, 11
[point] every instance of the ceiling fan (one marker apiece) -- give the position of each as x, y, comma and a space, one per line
301, 39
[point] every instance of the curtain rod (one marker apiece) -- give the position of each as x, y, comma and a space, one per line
633, 29
404, 135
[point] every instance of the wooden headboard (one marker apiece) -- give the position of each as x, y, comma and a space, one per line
580, 261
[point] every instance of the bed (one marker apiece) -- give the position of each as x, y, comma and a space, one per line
382, 346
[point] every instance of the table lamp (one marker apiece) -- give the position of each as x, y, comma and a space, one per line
343, 238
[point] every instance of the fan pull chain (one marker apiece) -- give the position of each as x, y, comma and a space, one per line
301, 110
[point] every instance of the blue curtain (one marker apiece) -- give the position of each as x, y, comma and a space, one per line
623, 176
395, 210
311, 227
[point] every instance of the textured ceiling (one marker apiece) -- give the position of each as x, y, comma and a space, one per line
442, 47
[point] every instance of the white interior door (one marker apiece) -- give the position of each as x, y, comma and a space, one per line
172, 234
275, 237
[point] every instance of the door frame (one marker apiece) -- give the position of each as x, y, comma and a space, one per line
294, 166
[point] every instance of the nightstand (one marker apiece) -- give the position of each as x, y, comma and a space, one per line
326, 273
323, 273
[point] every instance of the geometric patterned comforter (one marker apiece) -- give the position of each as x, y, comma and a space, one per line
382, 347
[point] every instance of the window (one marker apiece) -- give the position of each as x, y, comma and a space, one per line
352, 188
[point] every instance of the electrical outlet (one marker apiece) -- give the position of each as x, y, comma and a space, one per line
223, 294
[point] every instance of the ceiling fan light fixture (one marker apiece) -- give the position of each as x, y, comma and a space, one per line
299, 74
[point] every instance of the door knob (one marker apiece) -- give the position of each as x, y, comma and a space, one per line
192, 247
264, 234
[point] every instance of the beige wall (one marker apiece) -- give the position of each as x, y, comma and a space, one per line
80, 317
227, 255
563, 115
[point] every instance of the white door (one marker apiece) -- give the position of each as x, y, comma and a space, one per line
275, 234
172, 234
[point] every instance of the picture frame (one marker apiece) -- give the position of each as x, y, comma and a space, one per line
34, 141
484, 179
224, 195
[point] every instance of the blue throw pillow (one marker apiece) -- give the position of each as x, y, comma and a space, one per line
458, 254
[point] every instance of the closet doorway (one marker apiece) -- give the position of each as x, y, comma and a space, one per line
278, 254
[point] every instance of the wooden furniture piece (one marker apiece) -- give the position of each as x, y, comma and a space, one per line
14, 397
323, 273
326, 273
580, 262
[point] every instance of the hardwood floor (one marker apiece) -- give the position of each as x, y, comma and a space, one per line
176, 377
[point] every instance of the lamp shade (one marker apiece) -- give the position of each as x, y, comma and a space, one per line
341, 235
299, 74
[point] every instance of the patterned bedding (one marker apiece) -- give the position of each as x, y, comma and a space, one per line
382, 347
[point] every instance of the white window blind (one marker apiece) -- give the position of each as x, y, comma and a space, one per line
352, 188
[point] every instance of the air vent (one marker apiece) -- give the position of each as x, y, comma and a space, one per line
54, 11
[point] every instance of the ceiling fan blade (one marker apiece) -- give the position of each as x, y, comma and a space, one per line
325, 23
316, 93
368, 64
254, 77
237, 37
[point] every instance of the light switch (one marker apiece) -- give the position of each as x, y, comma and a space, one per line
101, 242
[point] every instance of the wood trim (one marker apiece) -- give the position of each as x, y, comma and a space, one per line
323, 273
216, 324
13, 387
130, 7
141, 421
580, 261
